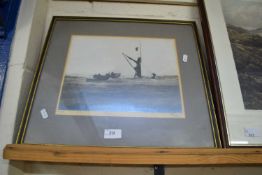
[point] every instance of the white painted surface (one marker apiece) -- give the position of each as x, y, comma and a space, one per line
237, 118
59, 169
24, 51
128, 10
29, 30
16, 81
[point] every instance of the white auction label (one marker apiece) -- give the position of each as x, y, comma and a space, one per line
252, 132
44, 113
185, 58
112, 134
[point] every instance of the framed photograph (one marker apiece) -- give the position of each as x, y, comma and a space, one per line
120, 82
235, 28
121, 77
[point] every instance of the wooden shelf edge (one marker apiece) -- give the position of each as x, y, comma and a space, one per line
133, 155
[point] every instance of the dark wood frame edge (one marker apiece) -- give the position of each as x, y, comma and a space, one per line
212, 75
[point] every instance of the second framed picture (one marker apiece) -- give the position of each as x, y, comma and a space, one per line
120, 82
235, 31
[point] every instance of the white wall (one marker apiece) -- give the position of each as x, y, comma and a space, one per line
33, 22
51, 169
24, 53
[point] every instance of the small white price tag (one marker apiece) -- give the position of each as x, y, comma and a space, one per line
112, 134
44, 113
185, 58
252, 132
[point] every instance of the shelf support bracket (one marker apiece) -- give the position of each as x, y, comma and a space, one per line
159, 170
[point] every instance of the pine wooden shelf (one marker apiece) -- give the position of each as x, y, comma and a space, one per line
133, 156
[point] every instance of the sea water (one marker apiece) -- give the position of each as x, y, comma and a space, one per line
161, 95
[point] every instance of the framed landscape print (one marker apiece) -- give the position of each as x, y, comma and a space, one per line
120, 82
236, 34
244, 26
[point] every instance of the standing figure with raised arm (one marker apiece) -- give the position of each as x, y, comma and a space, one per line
137, 67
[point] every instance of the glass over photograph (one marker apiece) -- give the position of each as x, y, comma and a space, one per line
121, 76
126, 75
244, 24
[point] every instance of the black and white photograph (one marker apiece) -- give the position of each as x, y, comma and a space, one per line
244, 24
121, 77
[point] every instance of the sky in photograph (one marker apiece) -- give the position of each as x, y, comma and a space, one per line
89, 55
243, 13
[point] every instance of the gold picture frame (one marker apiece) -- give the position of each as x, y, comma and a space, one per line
203, 94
